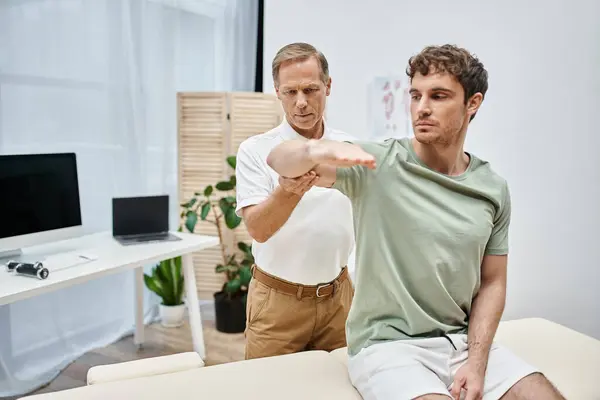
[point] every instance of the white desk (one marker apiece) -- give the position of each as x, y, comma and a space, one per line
114, 258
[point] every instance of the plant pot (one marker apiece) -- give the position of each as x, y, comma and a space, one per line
171, 316
230, 313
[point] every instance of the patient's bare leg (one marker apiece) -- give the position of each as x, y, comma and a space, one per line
534, 386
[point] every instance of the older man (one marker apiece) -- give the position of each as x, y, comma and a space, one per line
300, 294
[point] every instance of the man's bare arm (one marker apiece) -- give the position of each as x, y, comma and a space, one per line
265, 219
291, 158
487, 310
294, 158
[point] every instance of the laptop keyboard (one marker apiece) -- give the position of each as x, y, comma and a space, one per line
151, 236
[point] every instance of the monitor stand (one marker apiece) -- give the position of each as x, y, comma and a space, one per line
16, 255
7, 255
19, 255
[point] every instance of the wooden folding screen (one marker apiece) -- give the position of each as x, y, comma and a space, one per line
211, 127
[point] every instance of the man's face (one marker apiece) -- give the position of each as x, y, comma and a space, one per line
438, 110
302, 92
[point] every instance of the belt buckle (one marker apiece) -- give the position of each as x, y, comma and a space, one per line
321, 287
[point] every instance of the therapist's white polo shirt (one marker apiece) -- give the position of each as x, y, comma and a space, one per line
318, 238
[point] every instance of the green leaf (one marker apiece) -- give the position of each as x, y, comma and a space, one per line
165, 275
231, 219
247, 262
208, 191
243, 247
224, 186
177, 280
162, 271
180, 292
224, 205
205, 211
167, 281
191, 220
189, 203
231, 160
151, 285
232, 260
233, 285
245, 276
225, 268
230, 200
233, 180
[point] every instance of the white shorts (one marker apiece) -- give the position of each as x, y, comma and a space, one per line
408, 369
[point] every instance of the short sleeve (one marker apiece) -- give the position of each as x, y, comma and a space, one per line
351, 181
253, 181
498, 242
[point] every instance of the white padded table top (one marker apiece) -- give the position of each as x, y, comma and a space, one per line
569, 359
314, 375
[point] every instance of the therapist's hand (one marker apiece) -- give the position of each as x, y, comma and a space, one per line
300, 185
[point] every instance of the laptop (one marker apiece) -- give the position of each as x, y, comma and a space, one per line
143, 219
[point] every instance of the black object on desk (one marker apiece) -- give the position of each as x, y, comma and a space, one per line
35, 270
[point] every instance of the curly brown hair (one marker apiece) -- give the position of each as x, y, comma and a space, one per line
456, 61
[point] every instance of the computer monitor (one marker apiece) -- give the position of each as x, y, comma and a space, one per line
39, 200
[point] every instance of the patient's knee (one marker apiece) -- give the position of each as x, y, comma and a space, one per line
534, 386
433, 397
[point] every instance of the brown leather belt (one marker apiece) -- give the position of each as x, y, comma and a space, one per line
320, 290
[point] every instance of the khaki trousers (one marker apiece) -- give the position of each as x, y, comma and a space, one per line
283, 317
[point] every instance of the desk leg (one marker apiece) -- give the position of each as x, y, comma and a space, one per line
193, 305
138, 336
6, 345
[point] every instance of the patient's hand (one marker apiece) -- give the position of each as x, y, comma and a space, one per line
470, 378
300, 185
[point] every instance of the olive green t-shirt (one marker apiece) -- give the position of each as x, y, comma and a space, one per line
420, 241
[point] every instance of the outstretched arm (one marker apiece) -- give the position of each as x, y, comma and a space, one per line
291, 158
294, 158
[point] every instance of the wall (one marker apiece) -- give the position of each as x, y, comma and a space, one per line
536, 126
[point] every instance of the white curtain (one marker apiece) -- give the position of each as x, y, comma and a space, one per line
99, 78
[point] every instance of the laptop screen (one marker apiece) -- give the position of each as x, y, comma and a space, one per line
140, 215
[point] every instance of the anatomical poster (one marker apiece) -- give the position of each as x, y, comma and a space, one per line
389, 108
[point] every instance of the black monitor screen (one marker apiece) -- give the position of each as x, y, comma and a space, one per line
38, 193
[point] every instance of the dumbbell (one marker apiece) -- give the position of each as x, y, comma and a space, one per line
35, 270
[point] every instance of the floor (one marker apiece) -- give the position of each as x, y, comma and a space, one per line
220, 348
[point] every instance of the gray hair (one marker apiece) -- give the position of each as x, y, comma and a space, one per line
299, 52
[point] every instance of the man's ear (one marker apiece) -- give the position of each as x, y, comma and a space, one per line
474, 103
328, 87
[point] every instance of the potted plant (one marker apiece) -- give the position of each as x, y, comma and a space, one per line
216, 204
166, 280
